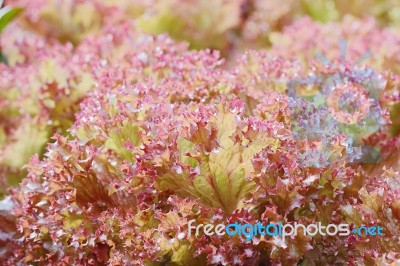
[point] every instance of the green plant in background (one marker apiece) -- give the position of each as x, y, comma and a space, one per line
204, 24
7, 14
320, 10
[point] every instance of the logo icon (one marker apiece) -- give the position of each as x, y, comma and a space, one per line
338, 105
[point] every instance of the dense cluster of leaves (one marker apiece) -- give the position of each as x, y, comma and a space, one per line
129, 136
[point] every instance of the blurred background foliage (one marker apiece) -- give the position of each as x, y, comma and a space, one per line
218, 24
